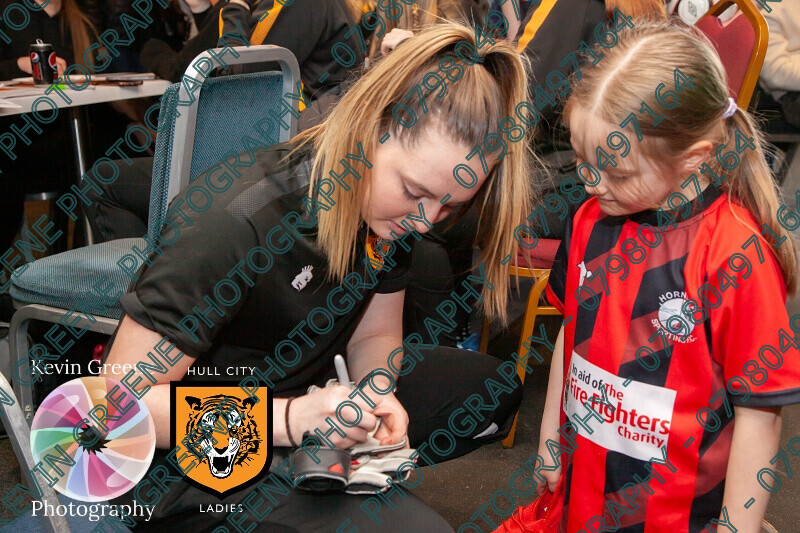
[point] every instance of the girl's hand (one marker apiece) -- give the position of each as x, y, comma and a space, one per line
393, 38
310, 411
551, 476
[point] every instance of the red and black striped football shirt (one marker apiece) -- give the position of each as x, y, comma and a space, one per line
658, 408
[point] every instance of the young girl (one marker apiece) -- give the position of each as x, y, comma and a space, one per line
381, 172
689, 316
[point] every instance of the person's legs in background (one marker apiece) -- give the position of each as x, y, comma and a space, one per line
440, 262
790, 105
436, 272
460, 392
121, 210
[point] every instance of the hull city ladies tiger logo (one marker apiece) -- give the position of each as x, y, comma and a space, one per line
227, 432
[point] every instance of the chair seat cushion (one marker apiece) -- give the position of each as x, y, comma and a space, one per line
68, 280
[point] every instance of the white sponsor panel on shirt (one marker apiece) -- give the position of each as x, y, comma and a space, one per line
637, 423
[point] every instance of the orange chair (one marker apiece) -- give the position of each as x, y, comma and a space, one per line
741, 44
539, 261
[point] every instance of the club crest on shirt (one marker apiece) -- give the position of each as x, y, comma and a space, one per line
673, 319
227, 433
302, 279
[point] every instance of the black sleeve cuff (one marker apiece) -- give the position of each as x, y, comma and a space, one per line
134, 308
769, 399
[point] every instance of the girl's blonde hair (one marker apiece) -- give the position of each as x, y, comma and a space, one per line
649, 54
471, 108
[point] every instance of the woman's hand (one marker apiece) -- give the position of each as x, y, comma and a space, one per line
394, 426
309, 412
393, 38
61, 66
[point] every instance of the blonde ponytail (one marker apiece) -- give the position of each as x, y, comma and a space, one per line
752, 184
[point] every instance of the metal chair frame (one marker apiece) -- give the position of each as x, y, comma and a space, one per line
533, 309
20, 435
759, 52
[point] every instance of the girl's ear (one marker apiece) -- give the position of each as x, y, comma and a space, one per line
695, 155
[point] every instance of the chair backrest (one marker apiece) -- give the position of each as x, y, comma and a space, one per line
236, 103
161, 161
221, 112
741, 44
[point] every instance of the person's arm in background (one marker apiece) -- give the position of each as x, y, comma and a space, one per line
781, 70
11, 52
10, 67
509, 9
159, 57
324, 23
549, 32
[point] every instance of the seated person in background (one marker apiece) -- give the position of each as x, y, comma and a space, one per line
310, 28
170, 24
780, 74
307, 28
45, 163
410, 174
159, 57
551, 30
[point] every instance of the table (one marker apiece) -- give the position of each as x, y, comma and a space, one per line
95, 94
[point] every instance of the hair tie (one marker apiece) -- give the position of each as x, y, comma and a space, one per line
731, 109
480, 59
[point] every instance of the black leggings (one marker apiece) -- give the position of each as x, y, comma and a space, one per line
437, 387
121, 210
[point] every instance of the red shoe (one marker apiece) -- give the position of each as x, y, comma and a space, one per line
543, 515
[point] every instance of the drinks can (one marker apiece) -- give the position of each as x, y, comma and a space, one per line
43, 63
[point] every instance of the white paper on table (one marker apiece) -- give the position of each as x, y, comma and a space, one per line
32, 91
8, 104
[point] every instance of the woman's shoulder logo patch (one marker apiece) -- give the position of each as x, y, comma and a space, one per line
302, 279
